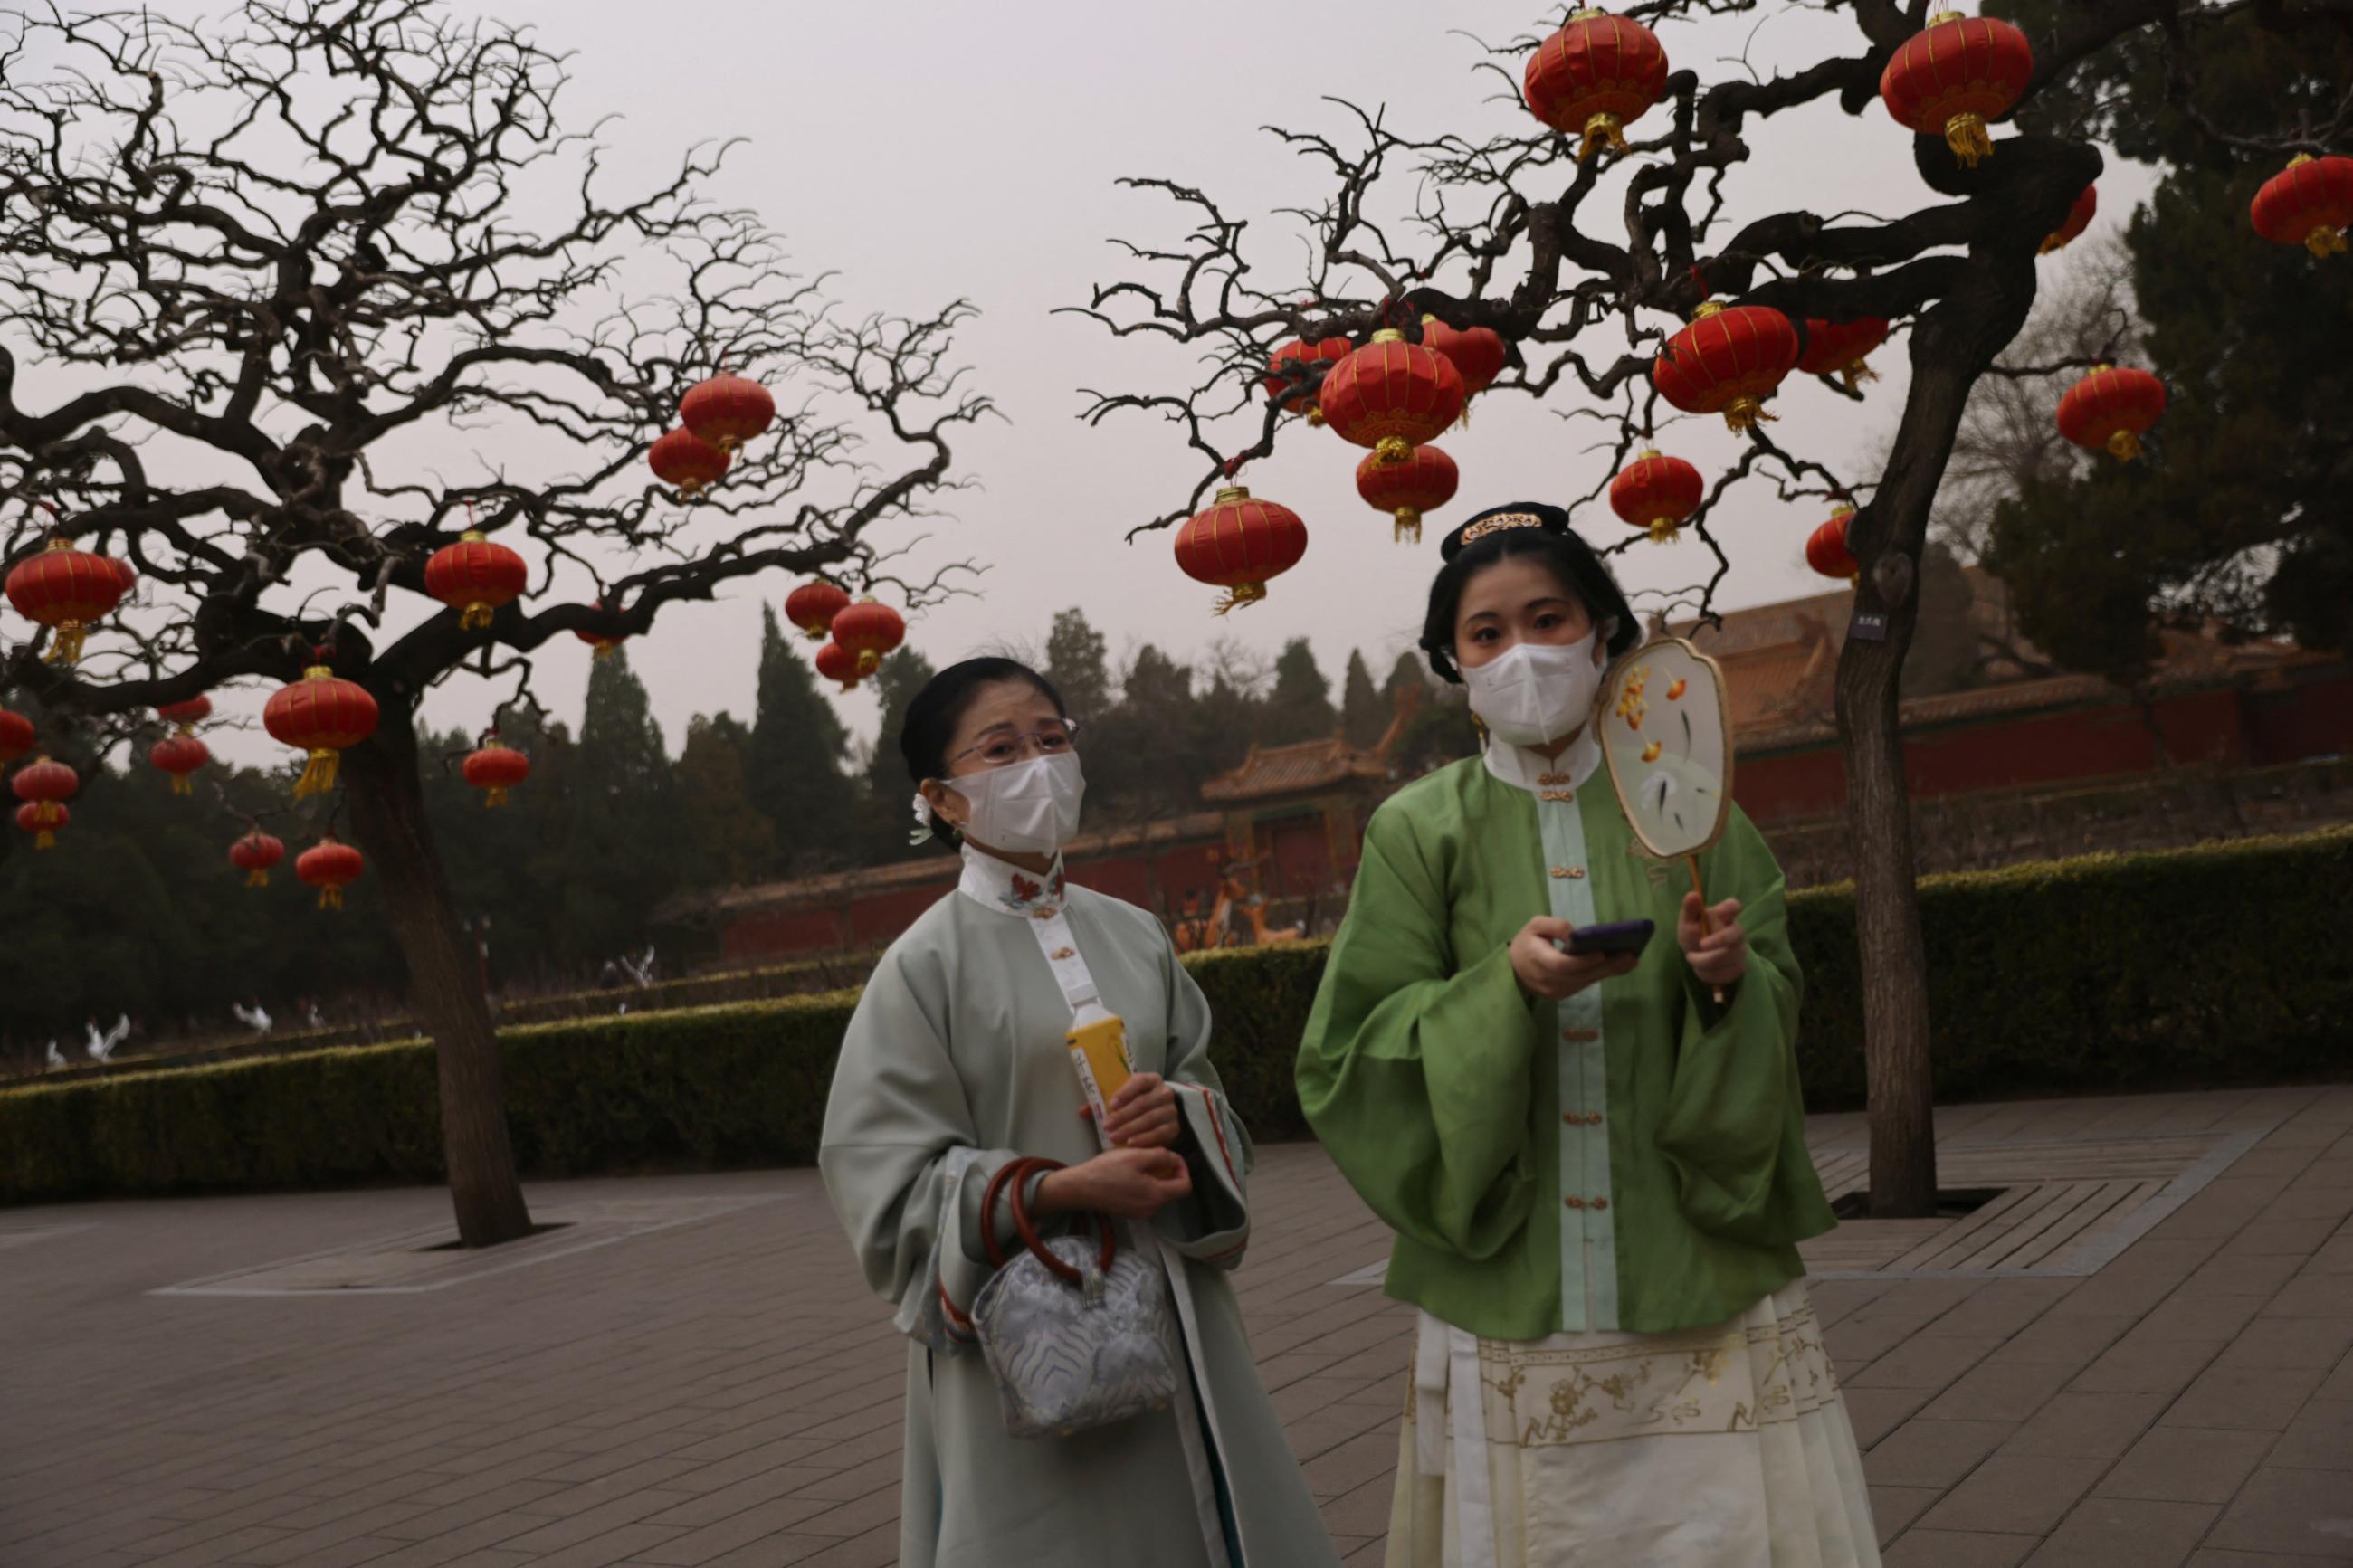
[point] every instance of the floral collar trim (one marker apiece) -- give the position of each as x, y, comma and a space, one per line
992, 882
1548, 778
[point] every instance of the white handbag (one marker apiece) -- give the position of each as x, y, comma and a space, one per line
1077, 1333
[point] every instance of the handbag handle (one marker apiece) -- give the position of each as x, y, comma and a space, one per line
1017, 1173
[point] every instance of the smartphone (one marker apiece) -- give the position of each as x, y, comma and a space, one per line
1620, 936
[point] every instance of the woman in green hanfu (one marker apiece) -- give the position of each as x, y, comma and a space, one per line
954, 1065
1597, 1172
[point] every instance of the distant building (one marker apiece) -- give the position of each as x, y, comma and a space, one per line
1286, 823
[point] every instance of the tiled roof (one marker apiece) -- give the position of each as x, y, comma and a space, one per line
1275, 770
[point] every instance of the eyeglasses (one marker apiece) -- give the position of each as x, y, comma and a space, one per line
1046, 740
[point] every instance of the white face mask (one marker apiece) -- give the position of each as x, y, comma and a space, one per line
1024, 808
1532, 694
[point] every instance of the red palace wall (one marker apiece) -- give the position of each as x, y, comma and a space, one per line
2228, 728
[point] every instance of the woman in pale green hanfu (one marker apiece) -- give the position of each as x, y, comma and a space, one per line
954, 1065
1596, 1173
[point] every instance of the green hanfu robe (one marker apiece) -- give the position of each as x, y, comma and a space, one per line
954, 1065
1596, 1202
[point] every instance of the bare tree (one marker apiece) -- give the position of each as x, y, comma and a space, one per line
306, 290
1499, 230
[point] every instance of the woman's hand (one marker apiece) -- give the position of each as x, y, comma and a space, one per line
1721, 957
1547, 972
1142, 1115
1125, 1184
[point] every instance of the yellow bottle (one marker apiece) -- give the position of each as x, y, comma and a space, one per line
1098, 1041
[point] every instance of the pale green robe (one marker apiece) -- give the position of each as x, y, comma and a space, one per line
955, 1063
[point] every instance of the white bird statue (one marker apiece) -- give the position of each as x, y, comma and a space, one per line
316, 1021
57, 1059
252, 1018
102, 1046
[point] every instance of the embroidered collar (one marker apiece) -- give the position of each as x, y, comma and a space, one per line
1009, 890
1548, 778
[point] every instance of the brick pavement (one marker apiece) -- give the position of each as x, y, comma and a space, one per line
724, 1393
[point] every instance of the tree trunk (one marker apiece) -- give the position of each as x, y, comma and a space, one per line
1952, 345
445, 979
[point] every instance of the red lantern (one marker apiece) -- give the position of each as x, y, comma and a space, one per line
2309, 202
835, 662
867, 630
1837, 348
1595, 77
1656, 493
195, 710
2112, 408
254, 855
320, 714
16, 735
727, 410
331, 865
684, 460
812, 606
494, 770
66, 589
1392, 396
1728, 362
44, 787
1827, 551
604, 646
42, 819
1423, 482
1293, 394
1240, 543
476, 575
1478, 355
180, 755
1951, 78
2079, 218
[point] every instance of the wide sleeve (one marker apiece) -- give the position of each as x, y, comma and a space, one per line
902, 1163
1415, 1073
1733, 1132
1212, 1225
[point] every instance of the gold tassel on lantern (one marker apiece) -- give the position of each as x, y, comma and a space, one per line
1965, 136
1240, 594
1603, 131
476, 617
1392, 449
495, 796
1663, 529
2125, 444
319, 776
1409, 526
183, 784
257, 877
66, 648
1742, 413
331, 898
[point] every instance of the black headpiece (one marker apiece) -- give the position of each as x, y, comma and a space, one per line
1502, 520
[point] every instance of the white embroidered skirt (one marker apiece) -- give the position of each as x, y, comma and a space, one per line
1722, 1447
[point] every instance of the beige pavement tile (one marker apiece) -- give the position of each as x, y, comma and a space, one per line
2088, 1425
2125, 1532
1893, 1507
1958, 1549
2245, 1398
2026, 1495
2186, 1464
2319, 1438
2308, 1511
1923, 1453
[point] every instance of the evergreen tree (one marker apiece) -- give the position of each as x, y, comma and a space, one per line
625, 847
1078, 664
798, 745
1300, 707
2239, 514
732, 842
886, 817
1406, 673
1363, 717
1140, 760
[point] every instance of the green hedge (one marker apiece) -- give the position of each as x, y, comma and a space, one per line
2226, 963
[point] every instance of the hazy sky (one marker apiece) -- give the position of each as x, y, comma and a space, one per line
928, 151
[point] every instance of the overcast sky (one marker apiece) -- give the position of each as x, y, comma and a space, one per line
928, 151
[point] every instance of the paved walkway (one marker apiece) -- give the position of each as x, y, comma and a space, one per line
689, 1373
